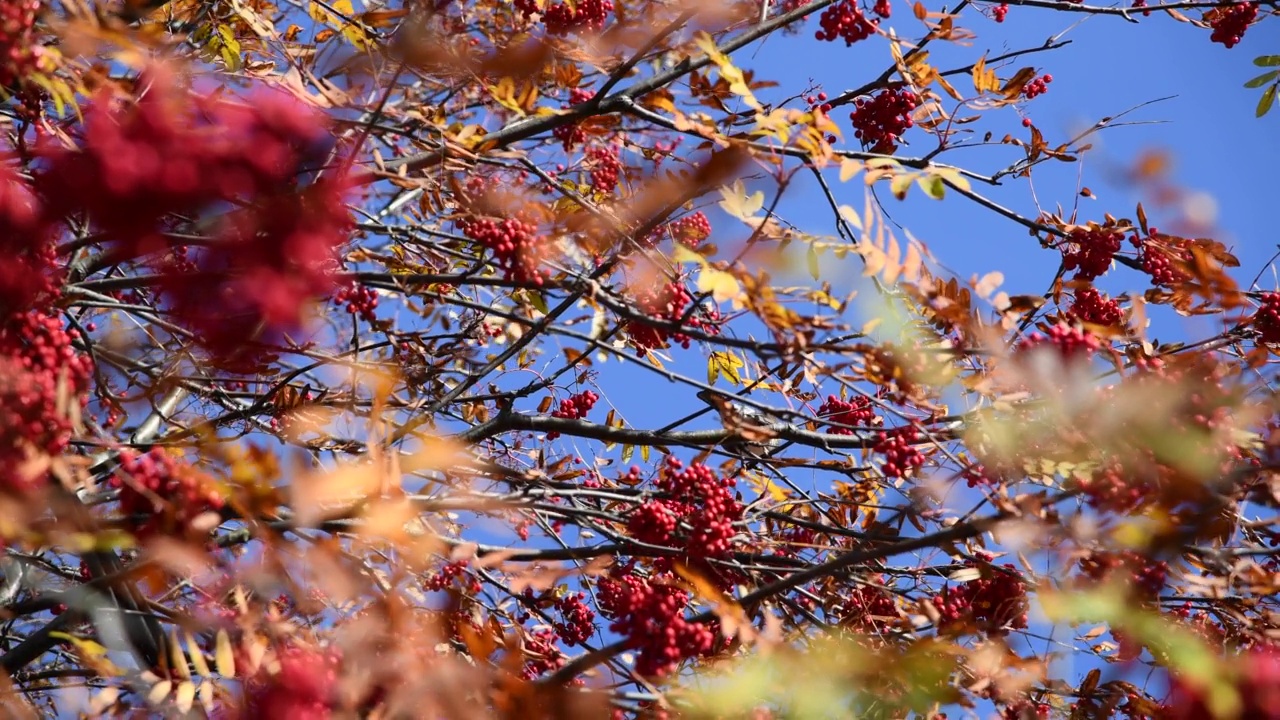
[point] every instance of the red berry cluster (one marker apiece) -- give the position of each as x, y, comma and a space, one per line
572, 135
574, 407
582, 16
901, 458
844, 20
696, 498
1026, 710
302, 687
448, 574
28, 277
818, 103
651, 617
541, 655
1230, 21
980, 476
176, 154
653, 523
1267, 318
159, 493
358, 299
1157, 260
1037, 87
669, 303
605, 169
1208, 627
20, 52
1147, 576
870, 609
880, 120
662, 150
994, 603
1089, 251
1069, 340
690, 230
1092, 306
577, 619
516, 245
1000, 12
858, 412
37, 357
1113, 488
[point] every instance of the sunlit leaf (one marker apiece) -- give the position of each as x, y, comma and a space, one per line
739, 204
721, 285
724, 364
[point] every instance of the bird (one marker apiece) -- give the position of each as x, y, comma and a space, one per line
753, 432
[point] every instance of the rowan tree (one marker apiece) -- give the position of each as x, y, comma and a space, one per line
467, 359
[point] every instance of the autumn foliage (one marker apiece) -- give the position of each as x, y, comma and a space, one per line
477, 359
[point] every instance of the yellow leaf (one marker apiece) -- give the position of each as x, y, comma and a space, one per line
776, 124
86, 648
901, 184
682, 254
159, 692
722, 285
185, 696
336, 18
726, 365
504, 92
180, 666
731, 74
739, 204
849, 168
946, 86
851, 216
197, 656
979, 74
224, 656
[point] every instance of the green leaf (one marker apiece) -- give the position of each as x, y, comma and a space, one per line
1268, 99
933, 186
1263, 79
1267, 60
953, 177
